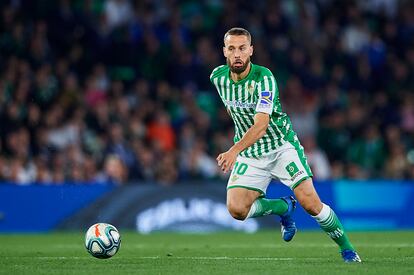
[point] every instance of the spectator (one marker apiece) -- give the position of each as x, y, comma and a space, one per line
160, 132
119, 91
368, 152
114, 170
317, 159
118, 12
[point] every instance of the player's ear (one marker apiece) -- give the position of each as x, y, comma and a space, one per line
251, 50
224, 51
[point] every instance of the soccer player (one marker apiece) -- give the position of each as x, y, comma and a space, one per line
266, 147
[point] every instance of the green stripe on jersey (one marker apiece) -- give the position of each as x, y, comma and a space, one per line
241, 99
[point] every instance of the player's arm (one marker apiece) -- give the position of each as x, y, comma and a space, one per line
254, 133
227, 159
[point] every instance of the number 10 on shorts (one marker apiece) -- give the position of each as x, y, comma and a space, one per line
240, 168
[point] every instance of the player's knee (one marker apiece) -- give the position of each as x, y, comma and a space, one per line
238, 211
313, 207
308, 198
310, 202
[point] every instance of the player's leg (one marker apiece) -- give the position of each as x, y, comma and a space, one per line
326, 217
246, 189
293, 170
243, 203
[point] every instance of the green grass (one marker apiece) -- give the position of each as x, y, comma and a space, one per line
224, 253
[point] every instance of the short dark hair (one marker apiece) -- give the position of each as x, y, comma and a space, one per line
238, 31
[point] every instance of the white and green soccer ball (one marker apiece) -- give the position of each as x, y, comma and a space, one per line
102, 240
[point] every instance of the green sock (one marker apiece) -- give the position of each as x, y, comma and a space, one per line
263, 207
330, 223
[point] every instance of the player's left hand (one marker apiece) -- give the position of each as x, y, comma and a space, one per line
227, 159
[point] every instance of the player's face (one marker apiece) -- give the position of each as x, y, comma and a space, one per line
237, 50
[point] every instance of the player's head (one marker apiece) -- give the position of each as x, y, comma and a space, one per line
237, 49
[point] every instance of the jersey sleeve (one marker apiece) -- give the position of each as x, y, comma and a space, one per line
214, 73
268, 93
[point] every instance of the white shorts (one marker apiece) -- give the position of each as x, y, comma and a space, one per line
288, 164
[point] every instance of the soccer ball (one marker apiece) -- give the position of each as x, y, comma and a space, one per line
102, 240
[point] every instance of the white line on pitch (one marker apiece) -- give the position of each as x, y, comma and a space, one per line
262, 258
367, 245
228, 258
222, 258
269, 245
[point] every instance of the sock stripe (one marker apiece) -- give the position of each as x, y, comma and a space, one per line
329, 220
331, 227
331, 223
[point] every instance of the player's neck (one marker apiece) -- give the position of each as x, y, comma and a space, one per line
237, 77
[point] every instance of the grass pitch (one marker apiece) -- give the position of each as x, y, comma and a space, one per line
222, 253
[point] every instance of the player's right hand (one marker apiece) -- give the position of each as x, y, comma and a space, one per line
226, 160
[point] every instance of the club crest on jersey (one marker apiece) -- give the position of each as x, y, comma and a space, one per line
234, 177
251, 87
266, 97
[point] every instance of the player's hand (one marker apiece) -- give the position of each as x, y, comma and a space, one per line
227, 159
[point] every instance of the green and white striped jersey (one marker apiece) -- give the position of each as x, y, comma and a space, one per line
257, 92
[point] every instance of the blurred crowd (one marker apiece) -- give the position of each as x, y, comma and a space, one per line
118, 91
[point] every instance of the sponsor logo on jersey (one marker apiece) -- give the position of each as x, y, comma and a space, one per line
239, 104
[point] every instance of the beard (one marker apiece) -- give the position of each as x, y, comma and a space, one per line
238, 70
